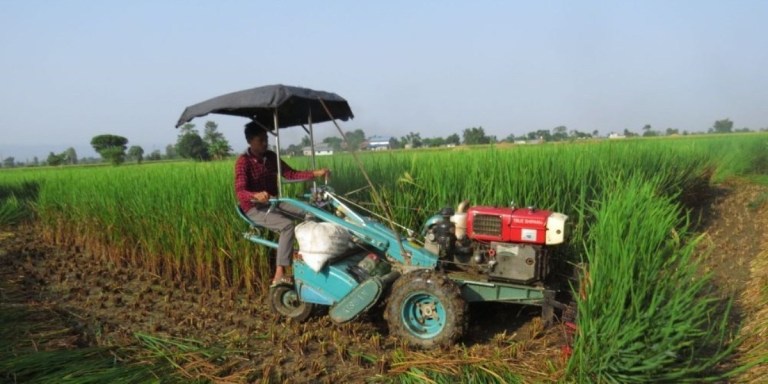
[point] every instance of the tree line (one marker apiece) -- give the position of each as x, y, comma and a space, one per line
212, 145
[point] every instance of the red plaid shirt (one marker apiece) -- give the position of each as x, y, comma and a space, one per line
254, 174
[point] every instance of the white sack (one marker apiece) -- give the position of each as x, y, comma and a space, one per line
320, 242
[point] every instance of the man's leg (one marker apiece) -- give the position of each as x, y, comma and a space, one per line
287, 237
278, 221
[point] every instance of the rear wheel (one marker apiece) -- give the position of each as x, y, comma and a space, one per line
425, 309
285, 300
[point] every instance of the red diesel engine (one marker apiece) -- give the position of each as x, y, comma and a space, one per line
510, 244
515, 225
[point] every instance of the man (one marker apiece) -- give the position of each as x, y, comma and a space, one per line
256, 182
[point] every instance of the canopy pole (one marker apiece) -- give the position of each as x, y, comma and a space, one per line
312, 147
277, 150
377, 199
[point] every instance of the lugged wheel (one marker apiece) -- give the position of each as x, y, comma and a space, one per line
425, 309
285, 300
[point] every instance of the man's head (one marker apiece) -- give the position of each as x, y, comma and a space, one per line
256, 136
254, 129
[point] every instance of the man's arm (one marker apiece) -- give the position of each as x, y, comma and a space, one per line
292, 174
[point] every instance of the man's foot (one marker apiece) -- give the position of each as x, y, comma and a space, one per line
282, 280
280, 277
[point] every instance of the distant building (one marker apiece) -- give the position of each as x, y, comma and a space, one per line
537, 140
378, 143
320, 150
615, 135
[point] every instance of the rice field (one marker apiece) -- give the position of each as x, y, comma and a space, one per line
647, 312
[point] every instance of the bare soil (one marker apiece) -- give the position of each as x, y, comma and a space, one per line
108, 304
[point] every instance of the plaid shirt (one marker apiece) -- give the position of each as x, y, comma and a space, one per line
254, 174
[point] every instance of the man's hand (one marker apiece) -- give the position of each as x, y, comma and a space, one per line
261, 197
321, 172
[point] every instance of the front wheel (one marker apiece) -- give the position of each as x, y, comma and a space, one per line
425, 309
285, 300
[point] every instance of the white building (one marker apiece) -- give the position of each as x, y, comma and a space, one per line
615, 135
320, 150
378, 143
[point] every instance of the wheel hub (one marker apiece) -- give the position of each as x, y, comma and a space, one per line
426, 311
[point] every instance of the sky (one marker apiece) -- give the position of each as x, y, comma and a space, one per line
71, 70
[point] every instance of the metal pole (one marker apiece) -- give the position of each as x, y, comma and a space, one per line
277, 150
312, 147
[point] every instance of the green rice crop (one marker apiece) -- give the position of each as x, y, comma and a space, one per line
648, 315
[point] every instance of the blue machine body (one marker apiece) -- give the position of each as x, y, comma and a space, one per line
334, 281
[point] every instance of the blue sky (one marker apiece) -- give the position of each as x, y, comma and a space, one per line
73, 69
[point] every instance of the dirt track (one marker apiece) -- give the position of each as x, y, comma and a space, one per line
108, 304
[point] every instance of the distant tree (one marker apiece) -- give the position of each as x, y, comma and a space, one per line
742, 130
136, 153
211, 132
54, 159
110, 147
411, 140
155, 155
453, 139
219, 149
115, 155
192, 146
433, 142
35, 161
560, 133
355, 139
722, 126
576, 134
306, 141
9, 162
188, 128
629, 133
475, 135
595, 133
394, 143
648, 131
672, 131
333, 142
170, 151
294, 150
218, 146
510, 138
541, 134
70, 156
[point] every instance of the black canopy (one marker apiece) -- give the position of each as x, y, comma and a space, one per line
292, 104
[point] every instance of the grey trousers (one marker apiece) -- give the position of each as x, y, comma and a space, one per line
280, 219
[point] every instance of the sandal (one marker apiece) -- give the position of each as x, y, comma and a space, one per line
287, 280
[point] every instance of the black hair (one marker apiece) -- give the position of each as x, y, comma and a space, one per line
252, 130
